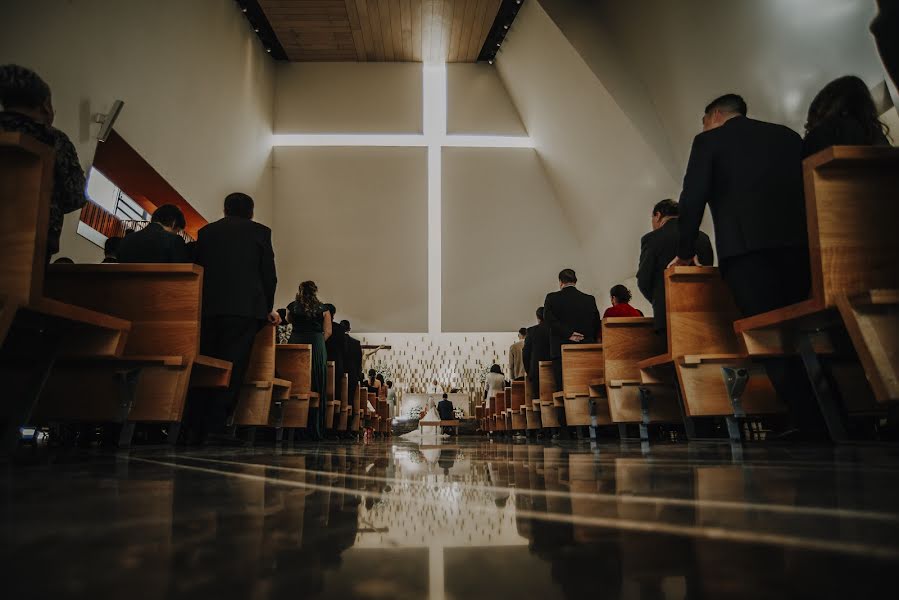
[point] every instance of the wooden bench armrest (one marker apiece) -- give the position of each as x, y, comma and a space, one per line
617, 383
129, 361
781, 316
655, 361
77, 314
698, 359
597, 382
626, 321
259, 385
208, 362
283, 383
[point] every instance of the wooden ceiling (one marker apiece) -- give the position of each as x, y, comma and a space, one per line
381, 30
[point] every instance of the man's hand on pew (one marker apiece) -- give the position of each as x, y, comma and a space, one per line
274, 318
677, 261
576, 337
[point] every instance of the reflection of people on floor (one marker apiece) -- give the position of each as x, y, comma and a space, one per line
445, 410
447, 459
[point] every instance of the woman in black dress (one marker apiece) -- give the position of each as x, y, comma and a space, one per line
843, 114
311, 323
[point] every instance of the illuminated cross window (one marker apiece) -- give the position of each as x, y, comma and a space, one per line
434, 139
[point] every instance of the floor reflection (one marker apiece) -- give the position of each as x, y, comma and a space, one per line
458, 520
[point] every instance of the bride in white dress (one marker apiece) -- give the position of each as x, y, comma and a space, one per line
429, 432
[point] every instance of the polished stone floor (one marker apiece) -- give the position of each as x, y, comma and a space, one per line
458, 520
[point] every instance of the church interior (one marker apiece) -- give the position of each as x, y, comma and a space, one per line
449, 299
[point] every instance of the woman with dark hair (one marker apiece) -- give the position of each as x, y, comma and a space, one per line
494, 382
620, 296
843, 113
374, 384
28, 109
311, 323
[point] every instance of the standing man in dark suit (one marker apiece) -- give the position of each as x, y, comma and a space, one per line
353, 358
238, 294
536, 349
750, 174
572, 318
159, 241
657, 248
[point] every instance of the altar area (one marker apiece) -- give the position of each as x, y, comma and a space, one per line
409, 401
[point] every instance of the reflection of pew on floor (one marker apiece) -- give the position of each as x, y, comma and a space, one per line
701, 345
261, 399
37, 332
851, 208
161, 359
626, 342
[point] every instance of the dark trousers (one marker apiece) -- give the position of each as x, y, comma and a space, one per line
767, 279
228, 338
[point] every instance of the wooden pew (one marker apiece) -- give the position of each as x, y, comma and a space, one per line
532, 408
163, 302
356, 418
508, 412
500, 402
518, 405
343, 410
548, 416
701, 345
850, 200
626, 342
261, 399
330, 402
35, 331
582, 371
293, 362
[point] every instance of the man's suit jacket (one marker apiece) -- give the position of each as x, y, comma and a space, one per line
567, 311
238, 268
153, 244
516, 360
353, 358
750, 174
536, 348
445, 410
336, 349
657, 249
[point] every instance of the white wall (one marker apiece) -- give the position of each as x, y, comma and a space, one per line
477, 102
197, 86
505, 239
776, 53
348, 98
354, 220
605, 175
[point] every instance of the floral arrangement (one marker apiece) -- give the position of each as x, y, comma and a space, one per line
415, 412
458, 413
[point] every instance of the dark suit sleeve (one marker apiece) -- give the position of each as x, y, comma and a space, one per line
178, 252
645, 271
694, 196
597, 320
704, 250
526, 351
267, 269
557, 327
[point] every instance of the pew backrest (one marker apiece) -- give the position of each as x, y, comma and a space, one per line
701, 313
294, 363
852, 206
627, 341
162, 301
26, 182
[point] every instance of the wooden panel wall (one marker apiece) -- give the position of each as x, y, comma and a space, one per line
381, 30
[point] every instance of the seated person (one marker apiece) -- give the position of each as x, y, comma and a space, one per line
657, 249
27, 108
620, 308
111, 249
843, 114
445, 410
159, 241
